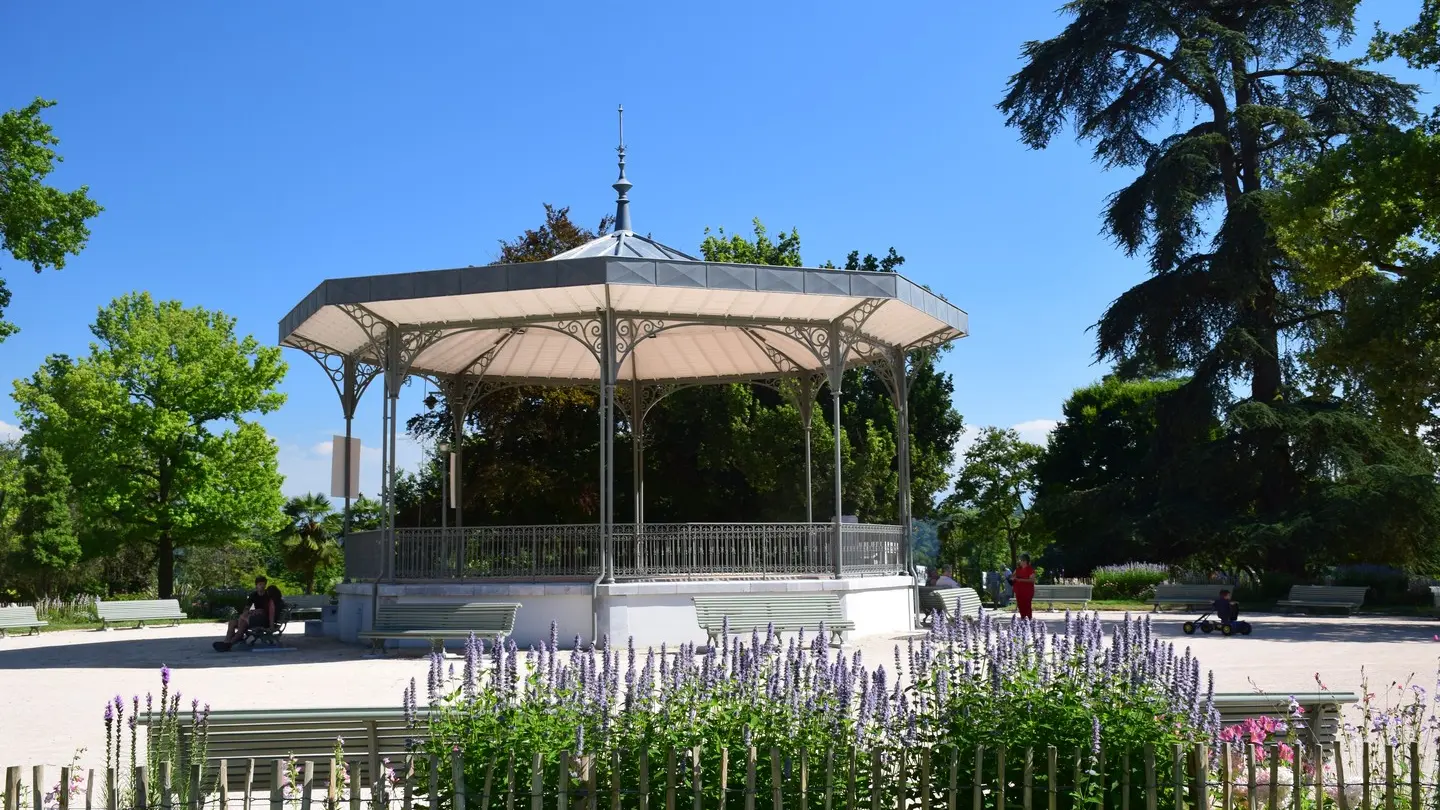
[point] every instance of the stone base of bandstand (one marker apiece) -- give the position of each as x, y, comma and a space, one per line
653, 613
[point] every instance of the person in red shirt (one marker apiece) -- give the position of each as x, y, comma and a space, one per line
1023, 583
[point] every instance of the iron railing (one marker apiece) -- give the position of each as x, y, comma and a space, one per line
485, 552
871, 549
709, 550
654, 551
365, 556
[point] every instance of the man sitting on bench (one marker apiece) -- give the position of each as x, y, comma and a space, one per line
1226, 610
261, 605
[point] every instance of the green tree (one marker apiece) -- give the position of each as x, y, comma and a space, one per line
1364, 220
1293, 466
995, 488
38, 224
49, 546
736, 249
1096, 491
156, 427
306, 542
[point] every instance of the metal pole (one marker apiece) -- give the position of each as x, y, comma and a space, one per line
837, 373
607, 434
347, 404
807, 413
902, 448
637, 476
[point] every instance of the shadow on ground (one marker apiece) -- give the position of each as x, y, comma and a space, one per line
133, 649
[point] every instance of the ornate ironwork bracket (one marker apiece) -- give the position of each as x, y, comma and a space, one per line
629, 332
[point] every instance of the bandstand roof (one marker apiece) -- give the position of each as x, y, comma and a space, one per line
718, 321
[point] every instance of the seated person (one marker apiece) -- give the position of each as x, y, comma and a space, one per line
262, 605
946, 579
1225, 610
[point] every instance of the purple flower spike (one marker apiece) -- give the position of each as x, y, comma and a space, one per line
164, 676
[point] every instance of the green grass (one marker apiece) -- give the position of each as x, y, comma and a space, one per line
95, 625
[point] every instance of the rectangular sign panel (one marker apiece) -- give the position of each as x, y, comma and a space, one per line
337, 467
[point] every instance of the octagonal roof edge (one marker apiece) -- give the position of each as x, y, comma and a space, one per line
621, 270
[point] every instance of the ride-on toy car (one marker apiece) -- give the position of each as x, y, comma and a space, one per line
1207, 626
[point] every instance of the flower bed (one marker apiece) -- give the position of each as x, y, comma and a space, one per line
1133, 580
1006, 687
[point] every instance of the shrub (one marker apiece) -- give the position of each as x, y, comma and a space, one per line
1129, 581
962, 685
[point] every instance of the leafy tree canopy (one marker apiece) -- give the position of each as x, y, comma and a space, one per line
307, 539
38, 224
155, 426
995, 490
1226, 304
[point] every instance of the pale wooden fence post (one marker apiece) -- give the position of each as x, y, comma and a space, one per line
222, 785
307, 782
457, 775
142, 788
1052, 759
12, 788
277, 798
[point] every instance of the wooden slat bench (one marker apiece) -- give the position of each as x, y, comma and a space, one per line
139, 611
266, 735
789, 612
20, 617
1344, 597
439, 622
1320, 717
963, 602
1050, 594
1186, 595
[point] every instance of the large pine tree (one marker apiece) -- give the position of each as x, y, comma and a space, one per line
1212, 100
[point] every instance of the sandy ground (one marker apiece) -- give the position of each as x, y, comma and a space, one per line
53, 687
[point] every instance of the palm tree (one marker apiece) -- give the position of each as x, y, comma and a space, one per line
305, 542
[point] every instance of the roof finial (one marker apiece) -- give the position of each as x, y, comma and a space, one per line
622, 203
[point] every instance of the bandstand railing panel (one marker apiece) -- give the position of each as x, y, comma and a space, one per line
707, 550
483, 552
654, 551
365, 555
871, 549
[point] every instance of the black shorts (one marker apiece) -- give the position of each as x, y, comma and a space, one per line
257, 618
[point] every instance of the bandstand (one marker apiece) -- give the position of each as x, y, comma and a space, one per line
634, 320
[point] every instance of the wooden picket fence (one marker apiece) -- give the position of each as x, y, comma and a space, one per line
1187, 778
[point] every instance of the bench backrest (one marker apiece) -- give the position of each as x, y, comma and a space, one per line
312, 600
790, 611
953, 601
1321, 713
307, 734
1059, 592
1194, 593
481, 617
1339, 594
139, 609
18, 616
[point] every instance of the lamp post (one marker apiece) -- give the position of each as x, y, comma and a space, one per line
444, 448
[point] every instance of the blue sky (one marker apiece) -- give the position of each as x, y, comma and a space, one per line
246, 152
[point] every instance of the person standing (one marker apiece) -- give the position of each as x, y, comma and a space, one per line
1023, 584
